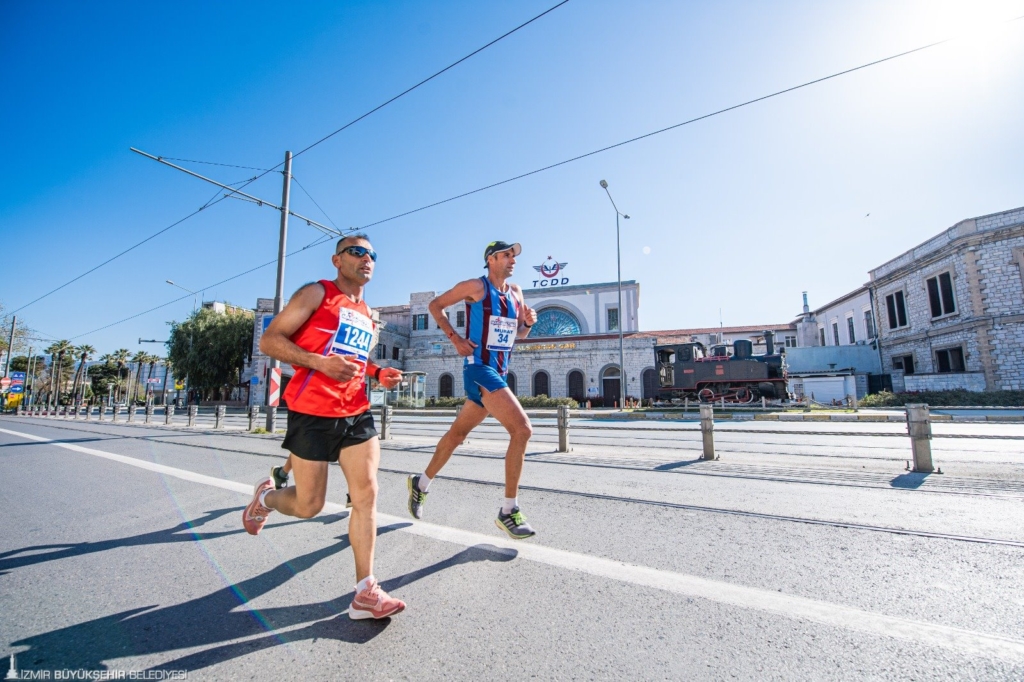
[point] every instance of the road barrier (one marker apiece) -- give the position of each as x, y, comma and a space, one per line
707, 431
169, 414
117, 413
131, 412
76, 407
254, 414
563, 428
193, 410
88, 411
149, 412
919, 426
218, 416
103, 408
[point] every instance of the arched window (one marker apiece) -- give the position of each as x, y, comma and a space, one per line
382, 351
446, 386
541, 384
650, 378
511, 381
394, 352
577, 386
555, 322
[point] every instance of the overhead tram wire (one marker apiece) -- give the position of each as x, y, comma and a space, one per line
215, 199
666, 129
581, 156
304, 191
316, 242
303, 151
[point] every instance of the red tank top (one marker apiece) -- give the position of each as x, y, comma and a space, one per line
337, 327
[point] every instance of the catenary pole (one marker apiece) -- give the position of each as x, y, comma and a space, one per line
10, 346
279, 292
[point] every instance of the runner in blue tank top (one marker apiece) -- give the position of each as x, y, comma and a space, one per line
497, 316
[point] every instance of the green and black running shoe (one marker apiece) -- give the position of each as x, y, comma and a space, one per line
417, 497
279, 476
514, 524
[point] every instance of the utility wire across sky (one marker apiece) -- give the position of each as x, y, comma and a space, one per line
265, 171
605, 148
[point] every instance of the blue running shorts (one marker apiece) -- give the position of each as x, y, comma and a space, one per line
475, 377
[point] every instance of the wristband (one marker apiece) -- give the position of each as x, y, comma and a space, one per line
376, 373
527, 325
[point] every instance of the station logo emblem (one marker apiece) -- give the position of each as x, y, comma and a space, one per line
550, 271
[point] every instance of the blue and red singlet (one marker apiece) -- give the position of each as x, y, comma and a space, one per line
492, 323
339, 327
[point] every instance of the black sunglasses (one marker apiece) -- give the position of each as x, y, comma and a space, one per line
359, 252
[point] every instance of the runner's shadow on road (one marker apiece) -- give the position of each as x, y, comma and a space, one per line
223, 616
909, 481
183, 532
341, 627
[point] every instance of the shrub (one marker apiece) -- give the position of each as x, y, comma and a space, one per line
957, 397
524, 400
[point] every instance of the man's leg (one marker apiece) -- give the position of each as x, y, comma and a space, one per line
306, 498
504, 407
359, 463
469, 418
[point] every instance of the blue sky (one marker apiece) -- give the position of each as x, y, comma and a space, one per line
741, 212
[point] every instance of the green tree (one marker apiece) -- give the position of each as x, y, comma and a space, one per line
139, 359
211, 348
84, 352
59, 374
120, 359
104, 377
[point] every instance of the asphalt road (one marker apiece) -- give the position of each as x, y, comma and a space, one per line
805, 552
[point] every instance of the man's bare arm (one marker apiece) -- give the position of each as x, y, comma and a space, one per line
472, 290
276, 342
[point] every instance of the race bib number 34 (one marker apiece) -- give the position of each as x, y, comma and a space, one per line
354, 336
501, 333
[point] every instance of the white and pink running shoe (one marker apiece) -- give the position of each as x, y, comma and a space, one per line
255, 514
374, 602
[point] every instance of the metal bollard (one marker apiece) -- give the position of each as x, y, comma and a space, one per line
131, 412
76, 407
707, 430
563, 428
723, 402
103, 408
764, 403
117, 413
386, 415
254, 414
853, 402
919, 426
17, 411
169, 414
458, 410
686, 404
88, 411
193, 410
64, 412
218, 416
149, 412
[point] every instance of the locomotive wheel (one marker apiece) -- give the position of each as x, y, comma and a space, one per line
706, 395
744, 395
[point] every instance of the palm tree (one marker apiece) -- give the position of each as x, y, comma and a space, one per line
51, 350
152, 360
85, 351
139, 359
120, 358
61, 348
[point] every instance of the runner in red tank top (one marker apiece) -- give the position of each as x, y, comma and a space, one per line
326, 332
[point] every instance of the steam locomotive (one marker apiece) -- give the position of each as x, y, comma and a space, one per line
689, 370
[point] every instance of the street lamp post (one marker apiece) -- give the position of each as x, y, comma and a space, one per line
618, 268
190, 333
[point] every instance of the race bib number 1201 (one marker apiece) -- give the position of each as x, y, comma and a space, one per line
354, 336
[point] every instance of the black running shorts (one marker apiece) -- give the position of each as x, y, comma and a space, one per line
320, 439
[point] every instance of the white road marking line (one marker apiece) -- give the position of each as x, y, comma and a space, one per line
792, 606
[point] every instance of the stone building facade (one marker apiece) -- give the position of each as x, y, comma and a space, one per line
950, 312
